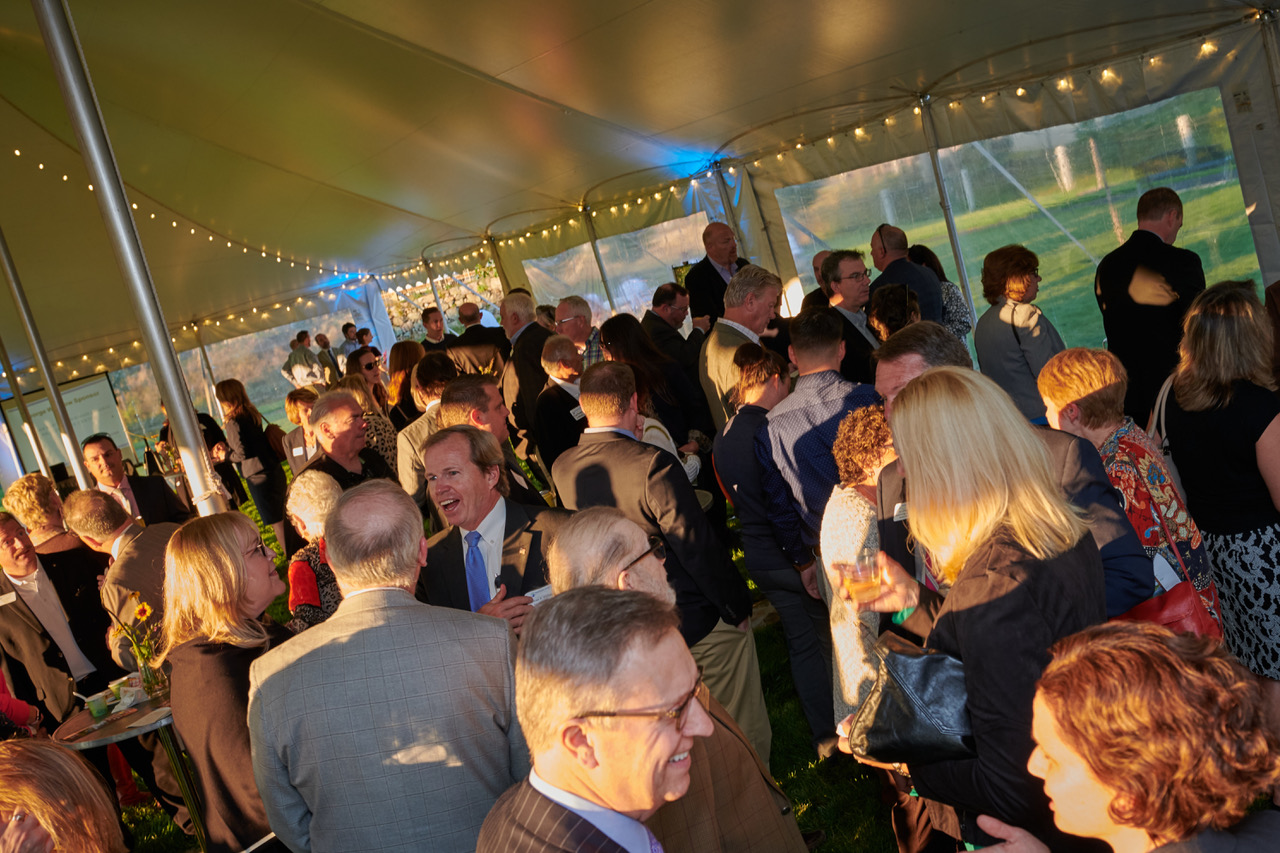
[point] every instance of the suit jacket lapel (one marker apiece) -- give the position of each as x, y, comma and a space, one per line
19, 607
515, 548
453, 573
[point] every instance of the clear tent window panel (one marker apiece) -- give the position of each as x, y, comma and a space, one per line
572, 271
1069, 193
639, 261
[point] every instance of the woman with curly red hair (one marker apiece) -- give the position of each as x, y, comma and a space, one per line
1150, 740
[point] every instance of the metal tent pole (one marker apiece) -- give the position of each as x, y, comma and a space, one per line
86, 117
595, 250
931, 139
27, 423
497, 267
70, 446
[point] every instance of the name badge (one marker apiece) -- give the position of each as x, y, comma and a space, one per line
8, 598
577, 413
298, 451
900, 512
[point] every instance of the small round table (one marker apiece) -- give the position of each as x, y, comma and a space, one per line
81, 731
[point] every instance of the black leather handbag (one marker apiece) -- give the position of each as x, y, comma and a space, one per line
917, 711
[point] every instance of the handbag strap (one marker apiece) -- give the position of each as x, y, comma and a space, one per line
1162, 400
1173, 545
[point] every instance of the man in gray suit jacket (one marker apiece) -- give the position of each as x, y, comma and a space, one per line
607, 692
750, 302
136, 574
391, 725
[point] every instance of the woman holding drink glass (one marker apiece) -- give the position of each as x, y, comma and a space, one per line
1023, 573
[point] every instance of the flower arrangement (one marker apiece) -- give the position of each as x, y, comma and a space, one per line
142, 642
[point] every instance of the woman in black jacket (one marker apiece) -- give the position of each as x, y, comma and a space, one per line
219, 579
250, 450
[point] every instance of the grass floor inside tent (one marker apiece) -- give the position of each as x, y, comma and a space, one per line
836, 795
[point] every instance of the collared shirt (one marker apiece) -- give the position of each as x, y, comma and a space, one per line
627, 832
123, 494
747, 333
592, 352
37, 591
628, 433
573, 388
725, 272
347, 347
519, 332
492, 530
859, 321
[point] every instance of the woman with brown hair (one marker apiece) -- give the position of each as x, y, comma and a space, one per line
403, 358
52, 799
1013, 339
1223, 425
219, 579
366, 363
247, 446
1151, 741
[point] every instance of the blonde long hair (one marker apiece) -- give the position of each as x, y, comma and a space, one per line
975, 468
1226, 336
204, 583
60, 791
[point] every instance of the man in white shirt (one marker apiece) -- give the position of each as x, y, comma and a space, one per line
492, 556
606, 693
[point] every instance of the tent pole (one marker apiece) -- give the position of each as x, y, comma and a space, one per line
595, 250
86, 117
497, 266
431, 279
27, 424
726, 201
206, 370
931, 139
70, 446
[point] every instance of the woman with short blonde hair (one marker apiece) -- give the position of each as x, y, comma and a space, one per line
33, 499
219, 579
986, 511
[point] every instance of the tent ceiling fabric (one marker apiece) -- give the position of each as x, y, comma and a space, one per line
354, 134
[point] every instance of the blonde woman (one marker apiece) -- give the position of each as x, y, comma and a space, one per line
380, 434
219, 579
1023, 573
1223, 424
34, 501
52, 799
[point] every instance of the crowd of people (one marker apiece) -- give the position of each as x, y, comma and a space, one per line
515, 622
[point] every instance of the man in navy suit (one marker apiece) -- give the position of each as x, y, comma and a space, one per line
889, 254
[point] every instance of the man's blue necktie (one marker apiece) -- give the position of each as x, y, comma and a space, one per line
477, 574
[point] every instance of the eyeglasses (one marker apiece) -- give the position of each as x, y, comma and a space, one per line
261, 549
657, 547
678, 715
858, 276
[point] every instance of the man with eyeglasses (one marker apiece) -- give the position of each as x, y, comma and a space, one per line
339, 426
606, 693
573, 320
733, 804
663, 321
846, 276
148, 499
889, 254
609, 467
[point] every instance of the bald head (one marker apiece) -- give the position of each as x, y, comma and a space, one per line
888, 244
817, 270
599, 546
718, 240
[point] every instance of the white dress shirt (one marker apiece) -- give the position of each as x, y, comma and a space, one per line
750, 335
37, 591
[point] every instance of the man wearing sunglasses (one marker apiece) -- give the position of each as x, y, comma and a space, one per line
606, 694
732, 804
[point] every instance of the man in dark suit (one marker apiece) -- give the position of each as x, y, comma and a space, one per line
581, 645
1127, 570
558, 420
53, 644
889, 254
707, 280
819, 298
609, 467
146, 498
479, 349
475, 401
523, 378
846, 275
1144, 289
663, 321
438, 338
492, 554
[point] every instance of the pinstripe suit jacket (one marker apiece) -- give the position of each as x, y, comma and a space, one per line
391, 726
524, 821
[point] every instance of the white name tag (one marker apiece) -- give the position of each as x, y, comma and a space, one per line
298, 451
577, 413
900, 512
8, 598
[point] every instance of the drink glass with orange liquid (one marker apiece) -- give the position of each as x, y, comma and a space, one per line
860, 578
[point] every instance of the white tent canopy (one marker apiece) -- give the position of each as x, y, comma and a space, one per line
276, 148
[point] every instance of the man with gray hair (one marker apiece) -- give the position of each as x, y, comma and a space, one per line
573, 318
607, 695
558, 420
750, 302
523, 377
339, 425
391, 725
733, 804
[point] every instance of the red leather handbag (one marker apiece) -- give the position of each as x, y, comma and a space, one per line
1180, 609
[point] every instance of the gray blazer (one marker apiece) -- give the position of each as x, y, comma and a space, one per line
716, 371
138, 567
389, 726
